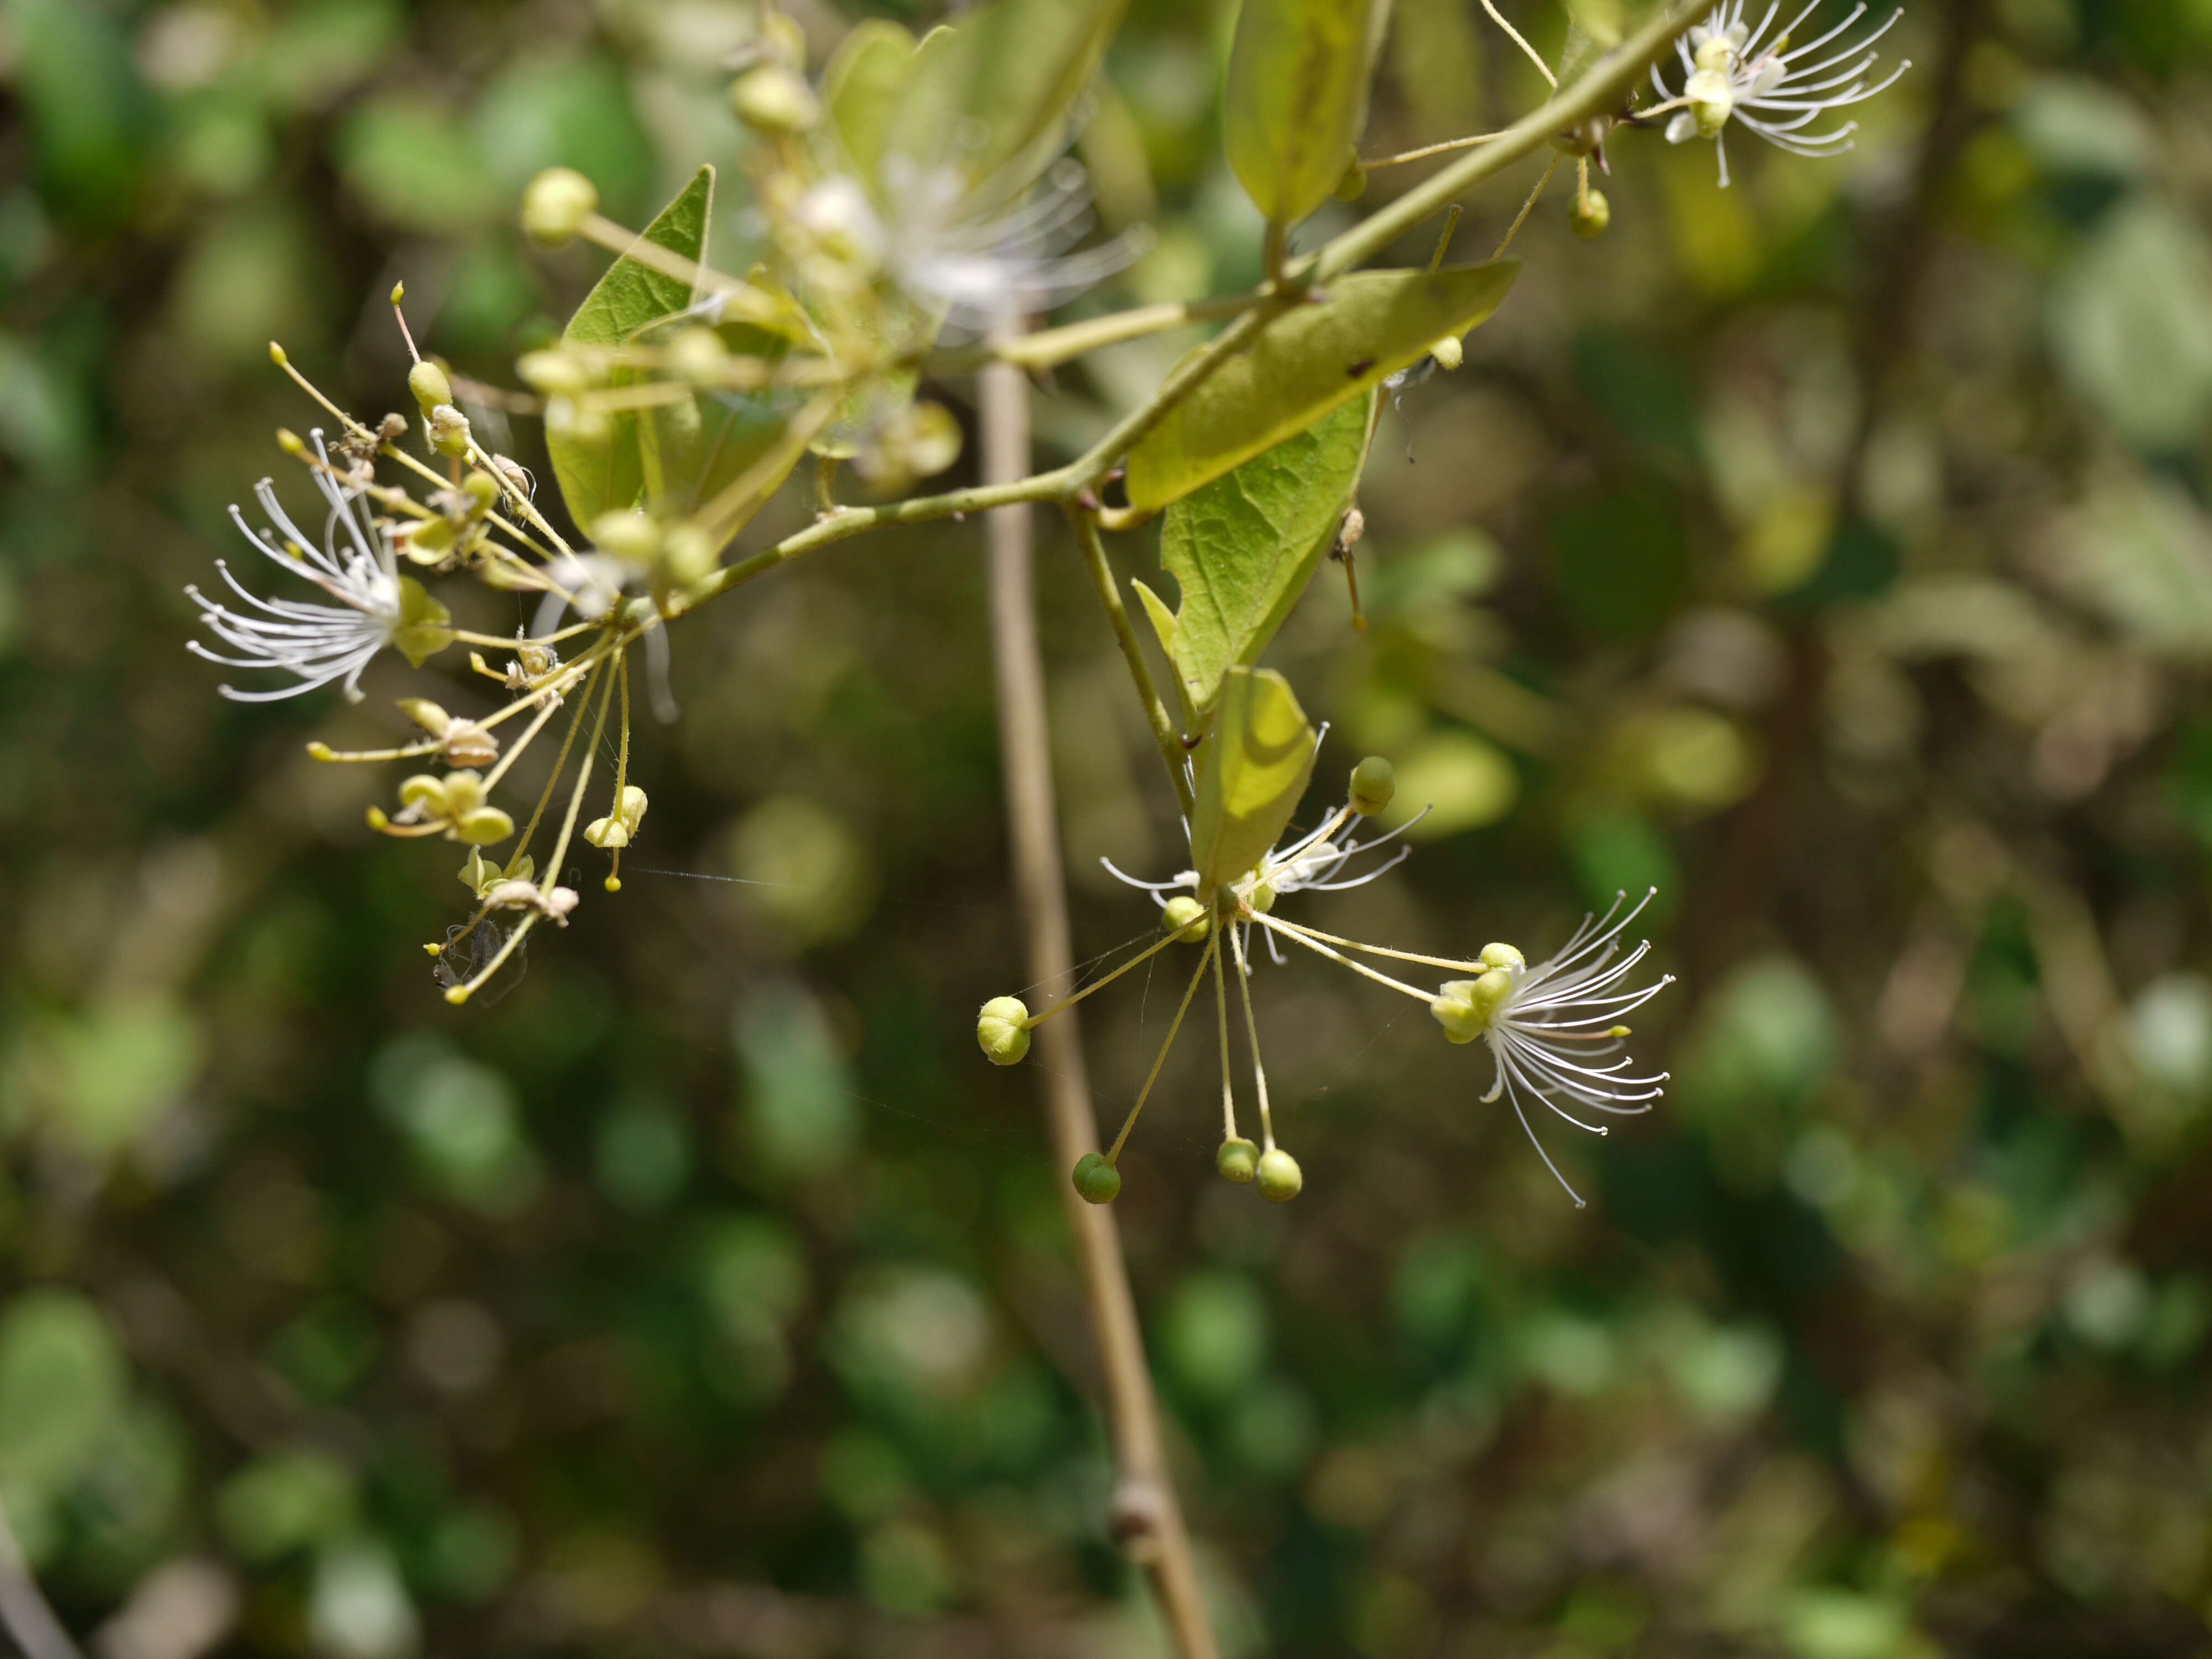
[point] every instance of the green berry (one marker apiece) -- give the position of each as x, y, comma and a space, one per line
1374, 783
1002, 1031
1589, 215
1280, 1176
1096, 1181
1238, 1160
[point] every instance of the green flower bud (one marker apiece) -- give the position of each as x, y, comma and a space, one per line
430, 386
1589, 215
1097, 1181
1449, 352
1187, 919
698, 356
1238, 1160
556, 374
1710, 100
1280, 1176
1002, 1031
556, 205
449, 430
772, 99
688, 554
482, 491
425, 791
1463, 1007
1374, 785
631, 537
484, 827
1503, 955
426, 714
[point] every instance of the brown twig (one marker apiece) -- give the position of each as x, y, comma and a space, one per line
24, 1613
1146, 1519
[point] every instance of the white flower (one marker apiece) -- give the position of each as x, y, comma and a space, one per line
1548, 1027
1732, 69
315, 643
971, 261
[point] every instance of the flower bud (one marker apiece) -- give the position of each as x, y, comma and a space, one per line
426, 714
1504, 956
1374, 785
1002, 1031
555, 373
688, 554
486, 826
1096, 1181
1710, 100
468, 744
1588, 214
425, 791
698, 356
1280, 1176
430, 386
1187, 919
772, 99
1238, 1160
482, 491
556, 205
1463, 1007
1449, 352
630, 537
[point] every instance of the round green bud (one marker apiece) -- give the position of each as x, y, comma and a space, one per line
1096, 1181
1238, 1160
698, 356
482, 489
1374, 784
1002, 1031
555, 373
1280, 1176
631, 537
1589, 215
430, 386
772, 99
1503, 955
1187, 919
1463, 1007
556, 205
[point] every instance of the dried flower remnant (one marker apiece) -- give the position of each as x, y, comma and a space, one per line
1735, 72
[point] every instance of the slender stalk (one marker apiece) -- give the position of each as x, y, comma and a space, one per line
1175, 1029
1171, 749
1146, 1518
1048, 348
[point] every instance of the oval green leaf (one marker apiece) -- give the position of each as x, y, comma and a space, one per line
1242, 548
1252, 770
1296, 99
1305, 363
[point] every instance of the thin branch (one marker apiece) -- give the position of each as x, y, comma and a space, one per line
1145, 1515
25, 1613
1172, 753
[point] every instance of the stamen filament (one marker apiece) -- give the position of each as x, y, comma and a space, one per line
1456, 965
1252, 1029
1221, 1021
1425, 998
1145, 955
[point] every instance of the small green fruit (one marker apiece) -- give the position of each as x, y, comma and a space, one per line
1002, 1031
556, 204
1238, 1160
1279, 1176
430, 386
1374, 784
1096, 1181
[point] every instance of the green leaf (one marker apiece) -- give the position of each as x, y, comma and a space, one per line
62, 1381
993, 96
607, 473
692, 448
1242, 548
1250, 774
861, 88
1296, 98
1304, 364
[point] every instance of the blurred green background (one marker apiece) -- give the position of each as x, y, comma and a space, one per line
1832, 551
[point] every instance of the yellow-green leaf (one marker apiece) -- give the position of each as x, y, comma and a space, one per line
1242, 548
606, 472
1251, 770
1296, 99
1304, 364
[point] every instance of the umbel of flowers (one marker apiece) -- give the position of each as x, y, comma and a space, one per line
1554, 1031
